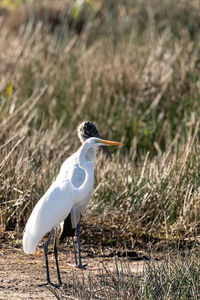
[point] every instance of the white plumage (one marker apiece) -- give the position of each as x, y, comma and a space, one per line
69, 189
72, 188
50, 210
70, 169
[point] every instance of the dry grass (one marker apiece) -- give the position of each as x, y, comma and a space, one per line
134, 71
176, 278
131, 67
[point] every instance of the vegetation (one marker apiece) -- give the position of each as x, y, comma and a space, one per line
173, 279
132, 68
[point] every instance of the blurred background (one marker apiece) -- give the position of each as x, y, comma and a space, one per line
132, 68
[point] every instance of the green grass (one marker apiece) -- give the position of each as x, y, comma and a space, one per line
134, 71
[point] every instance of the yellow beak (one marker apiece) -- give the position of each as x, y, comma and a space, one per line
110, 143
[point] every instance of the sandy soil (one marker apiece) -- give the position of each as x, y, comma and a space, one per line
21, 275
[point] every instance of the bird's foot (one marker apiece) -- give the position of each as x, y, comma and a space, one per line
57, 286
52, 285
79, 266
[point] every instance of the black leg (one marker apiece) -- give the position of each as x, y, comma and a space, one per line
56, 257
79, 247
46, 257
74, 247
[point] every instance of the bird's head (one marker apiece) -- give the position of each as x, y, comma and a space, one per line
87, 152
96, 142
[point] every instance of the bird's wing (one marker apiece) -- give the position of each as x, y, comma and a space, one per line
70, 169
50, 210
78, 210
66, 170
69, 225
77, 178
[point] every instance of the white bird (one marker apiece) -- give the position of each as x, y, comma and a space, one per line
57, 202
72, 223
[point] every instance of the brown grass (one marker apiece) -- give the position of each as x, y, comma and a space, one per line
133, 71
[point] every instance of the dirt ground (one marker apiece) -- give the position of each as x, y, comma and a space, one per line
21, 275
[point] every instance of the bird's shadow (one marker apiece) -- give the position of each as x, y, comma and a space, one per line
130, 255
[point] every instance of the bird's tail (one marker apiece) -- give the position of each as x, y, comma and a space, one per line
30, 240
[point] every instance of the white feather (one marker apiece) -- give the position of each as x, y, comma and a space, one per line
70, 169
50, 210
72, 188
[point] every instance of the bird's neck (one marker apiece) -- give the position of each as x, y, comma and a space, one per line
91, 155
86, 159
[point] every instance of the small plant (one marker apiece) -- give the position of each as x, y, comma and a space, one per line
170, 278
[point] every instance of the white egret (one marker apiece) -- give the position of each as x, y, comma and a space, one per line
85, 130
57, 202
